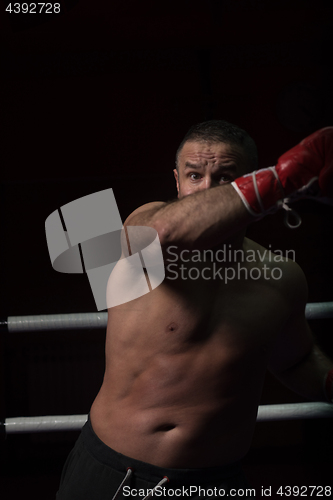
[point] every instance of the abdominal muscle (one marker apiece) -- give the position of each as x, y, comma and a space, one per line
182, 385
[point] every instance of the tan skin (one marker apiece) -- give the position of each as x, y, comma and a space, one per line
185, 363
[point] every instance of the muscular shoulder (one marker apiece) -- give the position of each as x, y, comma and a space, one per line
291, 282
143, 213
295, 284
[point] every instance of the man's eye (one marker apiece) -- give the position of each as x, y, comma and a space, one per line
225, 178
194, 176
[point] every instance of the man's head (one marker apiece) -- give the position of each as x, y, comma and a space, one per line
213, 153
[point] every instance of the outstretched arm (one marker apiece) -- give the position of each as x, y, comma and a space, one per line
296, 360
201, 220
208, 218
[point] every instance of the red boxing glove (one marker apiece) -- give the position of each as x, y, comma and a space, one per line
297, 174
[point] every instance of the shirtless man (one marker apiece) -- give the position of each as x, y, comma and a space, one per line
185, 363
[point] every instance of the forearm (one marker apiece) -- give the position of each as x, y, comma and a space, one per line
200, 220
307, 377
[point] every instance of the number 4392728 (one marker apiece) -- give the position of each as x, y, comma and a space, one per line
33, 8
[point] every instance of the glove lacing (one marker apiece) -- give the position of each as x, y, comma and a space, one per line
282, 204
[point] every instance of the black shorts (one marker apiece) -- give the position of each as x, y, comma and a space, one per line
93, 471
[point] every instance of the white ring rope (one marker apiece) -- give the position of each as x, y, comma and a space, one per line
77, 321
319, 310
50, 423
294, 411
266, 413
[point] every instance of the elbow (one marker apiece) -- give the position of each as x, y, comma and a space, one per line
177, 235
164, 232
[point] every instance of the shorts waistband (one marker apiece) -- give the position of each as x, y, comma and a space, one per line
153, 473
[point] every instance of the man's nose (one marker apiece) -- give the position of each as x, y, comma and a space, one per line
209, 182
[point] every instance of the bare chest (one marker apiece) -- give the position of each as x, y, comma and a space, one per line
235, 308
246, 299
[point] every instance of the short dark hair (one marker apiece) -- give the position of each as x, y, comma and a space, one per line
222, 131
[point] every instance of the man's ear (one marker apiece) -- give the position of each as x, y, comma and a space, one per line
175, 173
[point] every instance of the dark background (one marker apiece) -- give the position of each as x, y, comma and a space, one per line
100, 96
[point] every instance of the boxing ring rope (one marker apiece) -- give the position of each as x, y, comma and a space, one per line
266, 413
77, 321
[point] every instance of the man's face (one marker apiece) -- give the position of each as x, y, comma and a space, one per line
203, 165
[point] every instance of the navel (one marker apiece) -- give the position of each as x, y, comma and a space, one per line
166, 427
